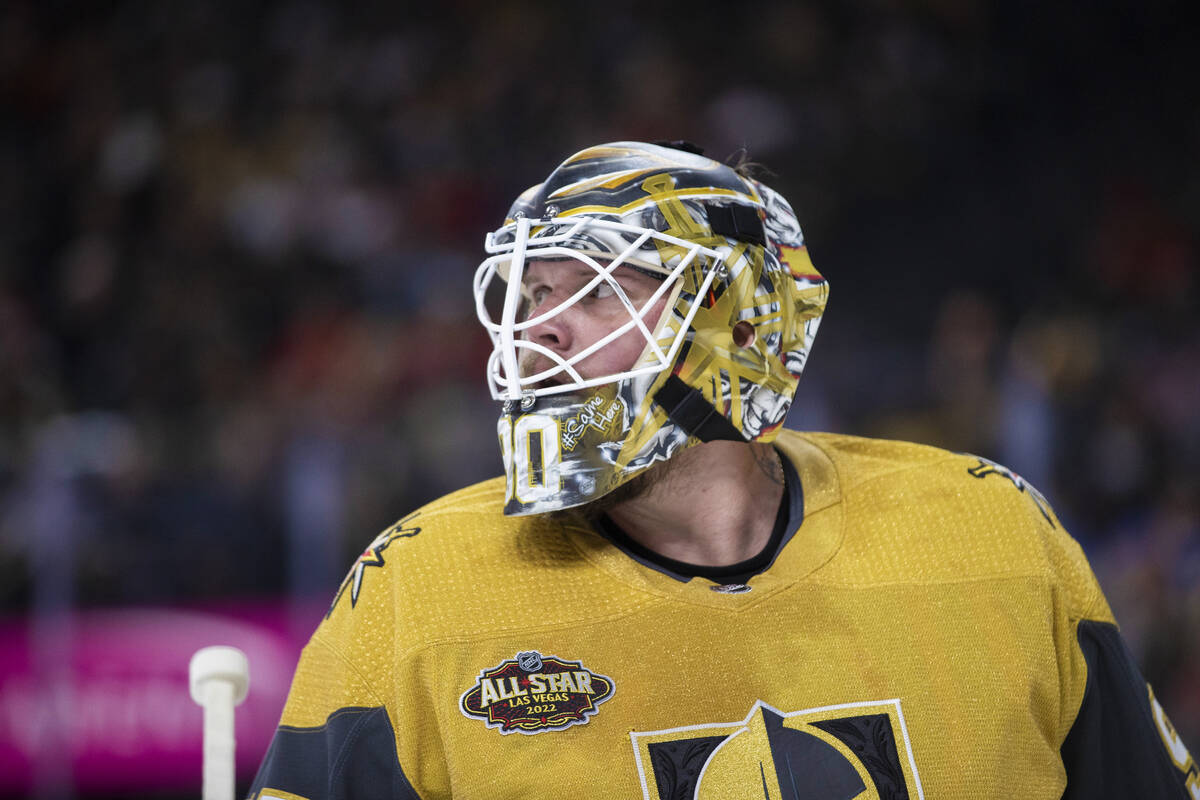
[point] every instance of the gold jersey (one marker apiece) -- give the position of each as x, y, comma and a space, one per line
928, 632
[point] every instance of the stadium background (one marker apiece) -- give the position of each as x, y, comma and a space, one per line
237, 336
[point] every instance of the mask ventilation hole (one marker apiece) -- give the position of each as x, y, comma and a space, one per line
744, 334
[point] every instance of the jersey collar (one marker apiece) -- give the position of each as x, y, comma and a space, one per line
810, 540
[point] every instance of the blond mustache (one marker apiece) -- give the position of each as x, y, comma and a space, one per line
533, 363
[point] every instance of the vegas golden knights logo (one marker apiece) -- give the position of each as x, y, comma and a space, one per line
987, 467
858, 751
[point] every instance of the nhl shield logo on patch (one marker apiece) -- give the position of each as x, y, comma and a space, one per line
532, 693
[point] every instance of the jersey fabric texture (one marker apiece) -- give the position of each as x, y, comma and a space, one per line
929, 631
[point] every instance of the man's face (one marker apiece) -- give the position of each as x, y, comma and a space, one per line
548, 284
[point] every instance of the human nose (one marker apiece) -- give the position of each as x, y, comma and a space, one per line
550, 327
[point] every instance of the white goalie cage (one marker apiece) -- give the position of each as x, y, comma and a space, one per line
551, 241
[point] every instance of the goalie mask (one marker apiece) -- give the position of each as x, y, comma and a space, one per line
672, 251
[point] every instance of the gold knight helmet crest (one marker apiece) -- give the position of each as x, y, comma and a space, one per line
857, 751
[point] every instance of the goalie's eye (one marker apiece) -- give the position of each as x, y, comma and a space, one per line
538, 293
603, 289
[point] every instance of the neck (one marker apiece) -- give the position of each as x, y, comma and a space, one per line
711, 505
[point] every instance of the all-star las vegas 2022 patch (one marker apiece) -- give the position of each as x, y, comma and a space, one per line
532, 693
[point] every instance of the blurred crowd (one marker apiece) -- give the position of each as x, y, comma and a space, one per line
237, 335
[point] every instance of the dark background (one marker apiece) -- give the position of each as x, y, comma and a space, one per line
236, 240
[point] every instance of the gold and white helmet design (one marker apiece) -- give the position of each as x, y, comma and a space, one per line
727, 250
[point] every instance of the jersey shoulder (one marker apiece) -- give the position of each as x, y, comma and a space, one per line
457, 569
917, 513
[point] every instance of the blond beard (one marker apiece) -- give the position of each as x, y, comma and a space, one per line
673, 475
636, 487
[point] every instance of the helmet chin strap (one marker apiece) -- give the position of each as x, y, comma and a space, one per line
688, 409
